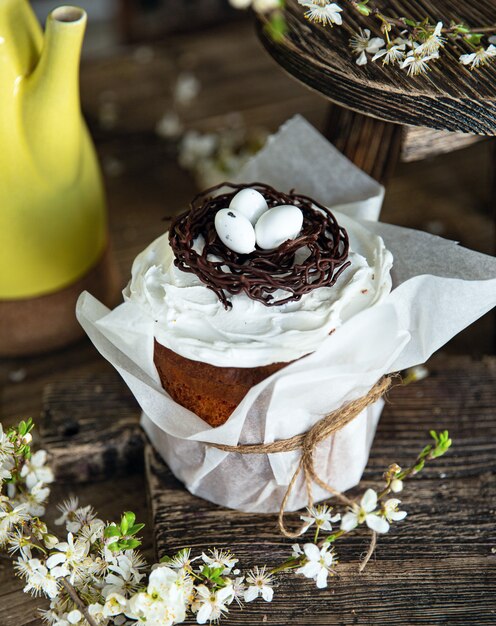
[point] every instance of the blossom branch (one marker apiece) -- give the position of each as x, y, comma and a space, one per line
415, 46
73, 594
370, 552
96, 573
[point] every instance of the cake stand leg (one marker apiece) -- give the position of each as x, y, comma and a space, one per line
371, 144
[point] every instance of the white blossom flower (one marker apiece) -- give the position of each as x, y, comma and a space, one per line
240, 4
9, 519
319, 515
265, 6
323, 12
186, 89
36, 471
39, 579
35, 499
396, 485
392, 53
93, 531
74, 617
479, 57
210, 605
297, 551
96, 612
361, 43
433, 42
6, 465
80, 518
115, 604
138, 563
318, 563
123, 579
239, 588
68, 509
415, 64
195, 147
169, 126
18, 542
181, 559
365, 512
165, 600
50, 617
70, 558
6, 446
259, 583
414, 374
220, 559
391, 512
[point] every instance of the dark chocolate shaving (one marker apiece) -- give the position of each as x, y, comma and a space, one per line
262, 272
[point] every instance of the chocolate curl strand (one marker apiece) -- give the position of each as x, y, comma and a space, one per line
307, 442
263, 272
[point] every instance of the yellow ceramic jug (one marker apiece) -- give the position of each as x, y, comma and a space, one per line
52, 208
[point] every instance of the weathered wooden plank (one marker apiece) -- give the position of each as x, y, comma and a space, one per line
436, 568
422, 143
90, 427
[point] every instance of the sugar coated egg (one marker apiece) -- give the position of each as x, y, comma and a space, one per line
250, 203
235, 231
278, 225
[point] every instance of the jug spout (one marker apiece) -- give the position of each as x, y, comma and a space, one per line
51, 102
21, 41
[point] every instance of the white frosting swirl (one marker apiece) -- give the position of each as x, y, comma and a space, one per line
191, 321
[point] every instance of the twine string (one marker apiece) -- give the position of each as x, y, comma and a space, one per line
307, 442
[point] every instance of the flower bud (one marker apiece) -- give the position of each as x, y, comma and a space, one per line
27, 438
50, 541
396, 485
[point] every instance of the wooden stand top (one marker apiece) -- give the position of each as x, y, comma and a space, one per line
449, 97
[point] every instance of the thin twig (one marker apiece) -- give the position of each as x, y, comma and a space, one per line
370, 552
77, 600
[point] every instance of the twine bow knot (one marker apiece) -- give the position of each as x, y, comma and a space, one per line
307, 442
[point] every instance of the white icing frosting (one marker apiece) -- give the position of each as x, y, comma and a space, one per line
191, 321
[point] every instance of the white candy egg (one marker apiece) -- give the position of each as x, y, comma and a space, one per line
250, 203
278, 225
235, 231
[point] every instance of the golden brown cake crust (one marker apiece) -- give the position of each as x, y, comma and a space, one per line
209, 391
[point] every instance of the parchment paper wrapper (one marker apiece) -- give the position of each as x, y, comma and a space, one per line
439, 289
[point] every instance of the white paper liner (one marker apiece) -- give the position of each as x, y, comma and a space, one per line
439, 289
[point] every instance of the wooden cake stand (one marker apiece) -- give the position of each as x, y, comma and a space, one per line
379, 114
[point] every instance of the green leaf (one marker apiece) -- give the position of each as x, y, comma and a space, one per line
22, 428
130, 544
114, 547
420, 466
130, 517
361, 8
411, 23
474, 38
111, 531
277, 27
135, 529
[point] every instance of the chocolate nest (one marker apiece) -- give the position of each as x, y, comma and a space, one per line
262, 272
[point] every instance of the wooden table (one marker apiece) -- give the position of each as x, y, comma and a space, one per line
450, 520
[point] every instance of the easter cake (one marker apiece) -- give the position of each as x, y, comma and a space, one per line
246, 281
